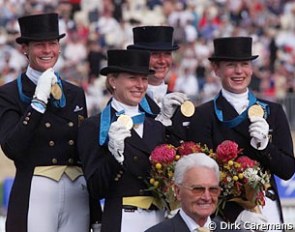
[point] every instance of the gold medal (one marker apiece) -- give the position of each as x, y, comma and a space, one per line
187, 108
256, 110
126, 121
56, 91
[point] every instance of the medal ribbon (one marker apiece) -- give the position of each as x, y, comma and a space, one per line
106, 120
145, 106
56, 103
240, 118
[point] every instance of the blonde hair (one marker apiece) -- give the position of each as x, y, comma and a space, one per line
109, 87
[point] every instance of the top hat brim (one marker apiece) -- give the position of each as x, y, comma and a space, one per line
114, 69
26, 39
227, 58
153, 47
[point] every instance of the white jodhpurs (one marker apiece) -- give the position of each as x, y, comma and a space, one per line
61, 206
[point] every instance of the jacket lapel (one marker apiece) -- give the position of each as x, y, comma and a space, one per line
149, 140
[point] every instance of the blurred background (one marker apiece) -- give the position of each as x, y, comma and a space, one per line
94, 26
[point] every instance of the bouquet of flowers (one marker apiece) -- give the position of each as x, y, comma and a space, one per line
242, 179
163, 159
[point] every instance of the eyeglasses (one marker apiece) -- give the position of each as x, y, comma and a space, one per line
200, 190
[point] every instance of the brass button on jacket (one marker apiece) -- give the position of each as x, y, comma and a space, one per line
47, 125
51, 143
70, 124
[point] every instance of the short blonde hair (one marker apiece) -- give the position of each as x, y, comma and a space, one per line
109, 87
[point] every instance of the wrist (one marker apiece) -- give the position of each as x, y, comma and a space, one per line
166, 121
38, 105
41, 97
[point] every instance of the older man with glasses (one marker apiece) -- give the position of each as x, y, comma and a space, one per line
197, 188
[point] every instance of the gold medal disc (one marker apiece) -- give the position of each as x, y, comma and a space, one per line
256, 110
187, 108
126, 121
56, 91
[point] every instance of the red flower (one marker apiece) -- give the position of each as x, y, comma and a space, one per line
189, 147
161, 181
246, 162
163, 154
226, 151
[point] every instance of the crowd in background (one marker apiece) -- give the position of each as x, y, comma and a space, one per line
93, 27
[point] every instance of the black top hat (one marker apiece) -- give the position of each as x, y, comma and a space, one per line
130, 61
153, 38
232, 49
39, 28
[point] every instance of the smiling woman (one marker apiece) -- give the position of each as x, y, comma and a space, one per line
115, 145
38, 133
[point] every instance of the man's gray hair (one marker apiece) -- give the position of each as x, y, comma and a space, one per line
194, 160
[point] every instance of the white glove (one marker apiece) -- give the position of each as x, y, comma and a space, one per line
42, 91
169, 104
258, 130
117, 134
249, 217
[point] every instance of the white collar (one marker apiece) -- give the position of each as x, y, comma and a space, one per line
119, 106
33, 74
191, 224
239, 101
157, 92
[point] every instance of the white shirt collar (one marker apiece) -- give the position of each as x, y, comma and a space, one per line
33, 74
157, 92
239, 101
192, 225
129, 110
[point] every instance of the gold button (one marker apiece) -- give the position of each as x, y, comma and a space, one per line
71, 161
54, 161
25, 123
47, 124
71, 142
70, 124
51, 143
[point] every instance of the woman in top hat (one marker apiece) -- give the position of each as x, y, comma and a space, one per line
115, 145
159, 41
40, 114
265, 138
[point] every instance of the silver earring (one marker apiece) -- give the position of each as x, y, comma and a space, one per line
114, 87
25, 53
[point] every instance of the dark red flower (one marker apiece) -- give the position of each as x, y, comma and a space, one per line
189, 147
226, 151
246, 162
164, 154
